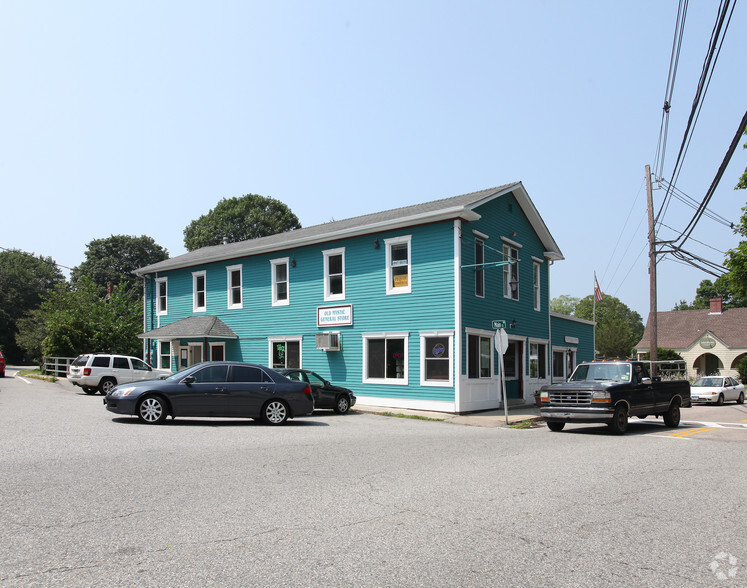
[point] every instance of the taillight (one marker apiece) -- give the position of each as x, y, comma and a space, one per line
307, 390
86, 371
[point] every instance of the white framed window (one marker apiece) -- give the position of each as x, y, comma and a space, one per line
199, 291
164, 355
385, 358
536, 284
162, 296
479, 354
285, 352
436, 358
537, 360
479, 268
234, 278
334, 274
398, 265
280, 281
511, 272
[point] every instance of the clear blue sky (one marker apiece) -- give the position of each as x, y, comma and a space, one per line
138, 117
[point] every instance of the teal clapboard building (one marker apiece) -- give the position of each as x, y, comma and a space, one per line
398, 306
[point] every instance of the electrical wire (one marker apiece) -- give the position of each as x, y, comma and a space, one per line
714, 49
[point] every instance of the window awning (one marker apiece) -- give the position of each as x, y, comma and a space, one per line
192, 327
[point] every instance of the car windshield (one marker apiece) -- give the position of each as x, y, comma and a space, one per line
80, 360
709, 382
617, 372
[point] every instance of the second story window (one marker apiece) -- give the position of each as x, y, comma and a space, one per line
199, 294
280, 282
334, 274
398, 265
235, 292
479, 268
162, 300
536, 285
511, 272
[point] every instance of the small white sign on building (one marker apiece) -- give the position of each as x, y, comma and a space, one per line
334, 316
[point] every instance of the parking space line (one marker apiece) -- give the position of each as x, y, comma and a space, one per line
690, 432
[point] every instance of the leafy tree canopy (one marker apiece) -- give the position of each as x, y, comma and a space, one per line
115, 258
564, 304
24, 279
238, 219
619, 328
79, 319
721, 288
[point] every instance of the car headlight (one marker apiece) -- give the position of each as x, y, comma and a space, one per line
122, 392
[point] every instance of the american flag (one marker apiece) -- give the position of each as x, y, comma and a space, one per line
597, 291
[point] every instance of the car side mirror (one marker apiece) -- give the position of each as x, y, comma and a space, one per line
188, 380
326, 384
645, 380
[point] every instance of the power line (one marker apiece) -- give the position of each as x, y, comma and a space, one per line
714, 49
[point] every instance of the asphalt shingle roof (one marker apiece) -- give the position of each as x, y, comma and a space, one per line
193, 326
679, 329
453, 207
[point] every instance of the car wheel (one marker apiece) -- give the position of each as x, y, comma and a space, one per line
720, 401
619, 422
672, 416
555, 426
275, 412
342, 405
106, 384
90, 389
152, 410
740, 400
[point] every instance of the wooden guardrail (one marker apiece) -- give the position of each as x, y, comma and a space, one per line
57, 366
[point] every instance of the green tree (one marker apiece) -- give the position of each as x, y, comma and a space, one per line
721, 288
619, 328
564, 304
115, 258
24, 279
79, 319
238, 219
736, 261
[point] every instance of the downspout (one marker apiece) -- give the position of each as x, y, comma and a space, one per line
457, 315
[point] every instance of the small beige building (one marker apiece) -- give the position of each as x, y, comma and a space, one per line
710, 341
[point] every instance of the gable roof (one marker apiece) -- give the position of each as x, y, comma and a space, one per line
680, 329
456, 207
192, 327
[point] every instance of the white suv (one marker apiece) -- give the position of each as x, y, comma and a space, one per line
101, 372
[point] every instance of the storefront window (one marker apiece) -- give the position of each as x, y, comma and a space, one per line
386, 358
479, 356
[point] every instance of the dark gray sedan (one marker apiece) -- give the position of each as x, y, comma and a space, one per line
326, 394
215, 389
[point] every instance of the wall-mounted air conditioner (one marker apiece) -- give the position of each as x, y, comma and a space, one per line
328, 341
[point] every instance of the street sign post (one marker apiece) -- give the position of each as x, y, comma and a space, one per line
501, 346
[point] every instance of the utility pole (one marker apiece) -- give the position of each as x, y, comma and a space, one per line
653, 314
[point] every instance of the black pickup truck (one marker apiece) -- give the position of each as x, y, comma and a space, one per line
611, 392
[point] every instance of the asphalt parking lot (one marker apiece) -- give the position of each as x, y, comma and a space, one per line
91, 498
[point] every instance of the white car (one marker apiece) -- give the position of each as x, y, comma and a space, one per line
100, 372
717, 390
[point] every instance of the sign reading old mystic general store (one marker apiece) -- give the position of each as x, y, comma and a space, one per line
334, 316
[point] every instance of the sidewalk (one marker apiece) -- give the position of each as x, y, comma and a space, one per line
489, 418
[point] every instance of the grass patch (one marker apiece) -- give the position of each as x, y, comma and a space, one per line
36, 375
416, 417
525, 424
